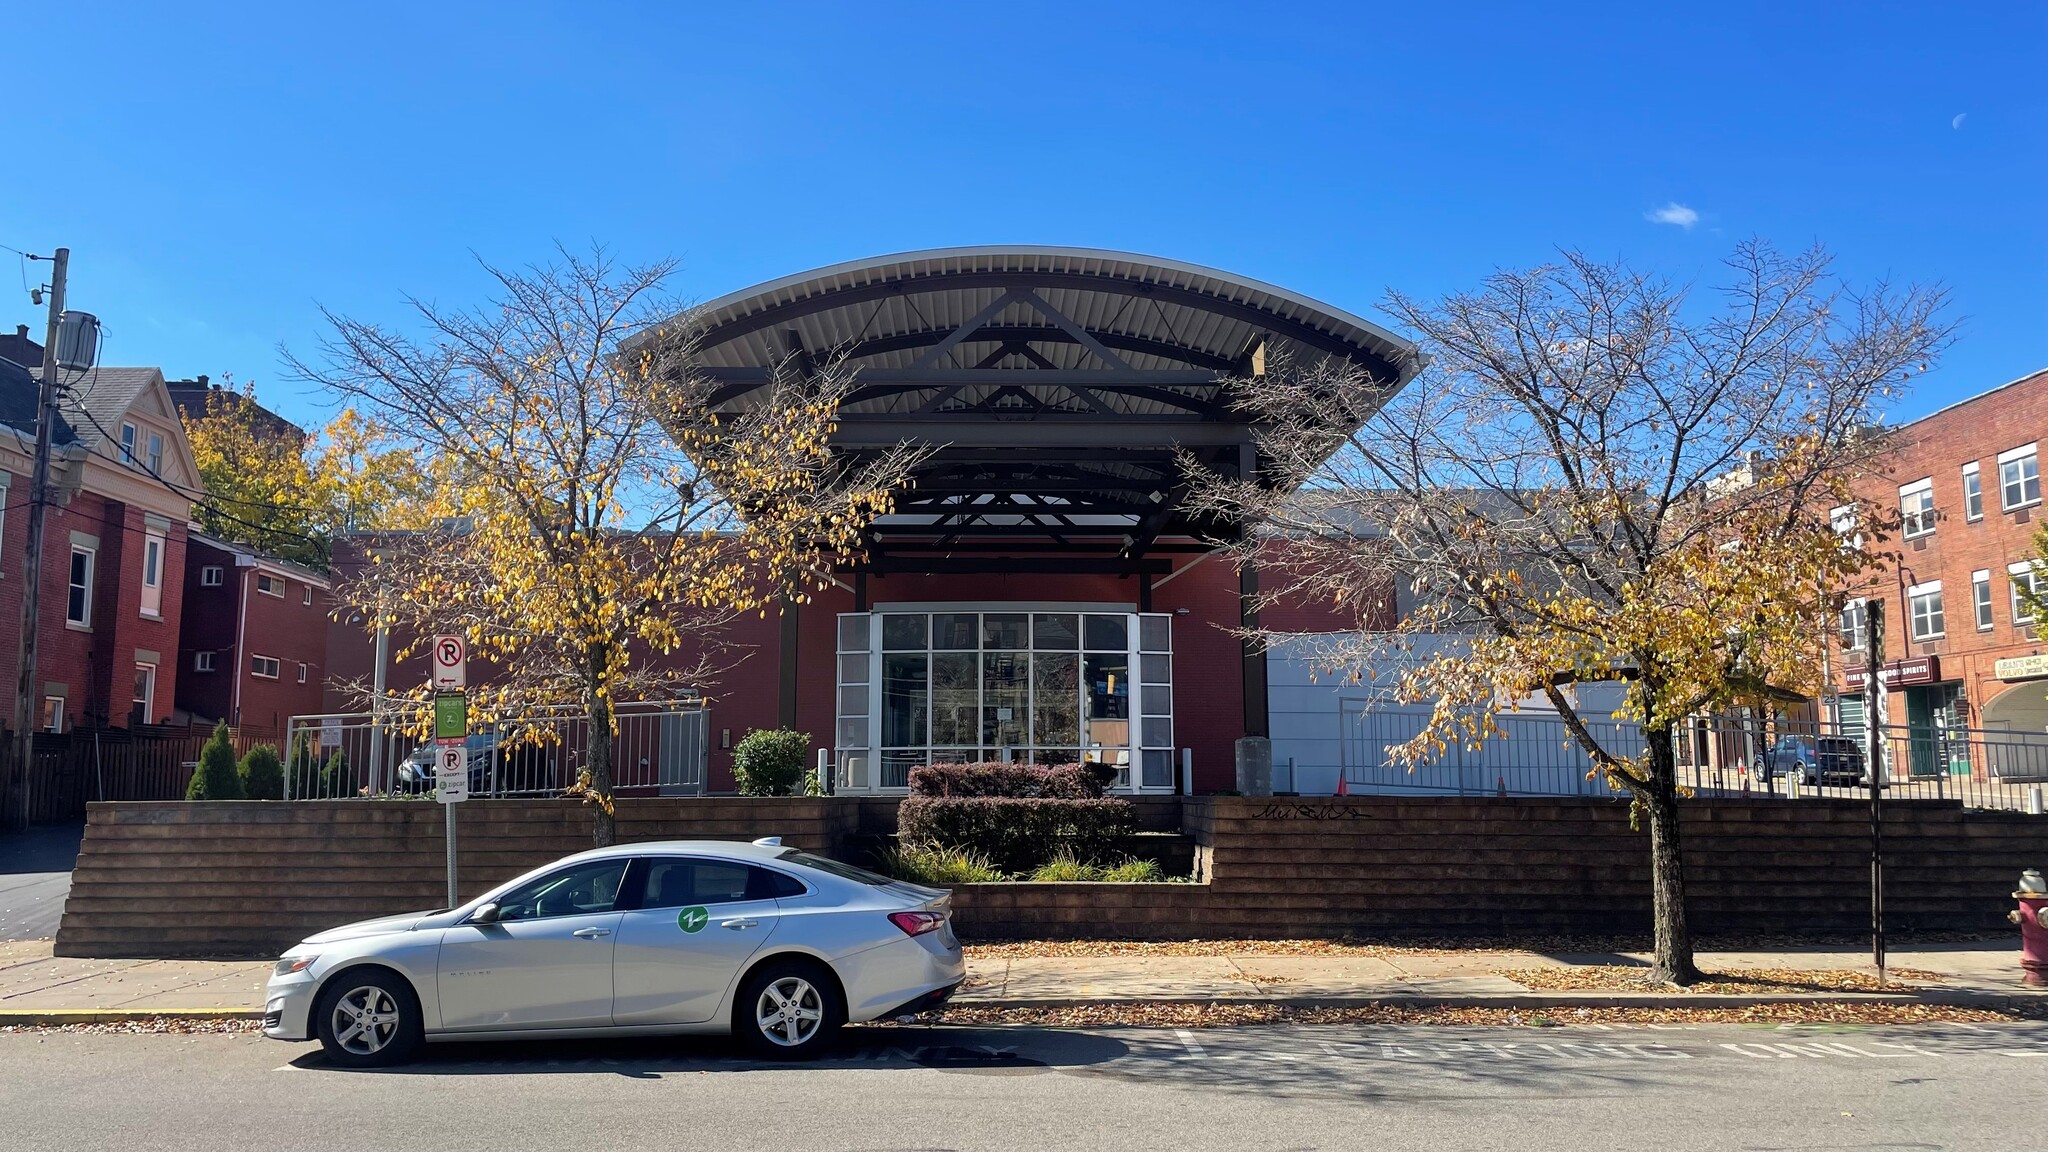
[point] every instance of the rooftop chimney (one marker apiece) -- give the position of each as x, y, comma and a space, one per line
202, 379
21, 330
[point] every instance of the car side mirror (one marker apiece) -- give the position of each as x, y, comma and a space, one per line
488, 914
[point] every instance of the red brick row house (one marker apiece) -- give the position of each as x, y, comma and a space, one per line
253, 650
114, 543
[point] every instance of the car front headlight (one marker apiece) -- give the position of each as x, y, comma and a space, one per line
293, 964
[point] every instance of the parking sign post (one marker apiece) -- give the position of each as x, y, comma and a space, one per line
449, 656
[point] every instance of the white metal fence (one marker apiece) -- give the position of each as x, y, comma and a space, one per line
1535, 755
657, 748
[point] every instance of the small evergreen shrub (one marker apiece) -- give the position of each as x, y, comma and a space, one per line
262, 774
216, 777
335, 778
770, 762
931, 864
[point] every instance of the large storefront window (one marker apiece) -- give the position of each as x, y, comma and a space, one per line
1042, 685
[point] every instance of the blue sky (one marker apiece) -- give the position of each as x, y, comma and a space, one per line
219, 172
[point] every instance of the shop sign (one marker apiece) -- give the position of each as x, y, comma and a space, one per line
2021, 667
1899, 673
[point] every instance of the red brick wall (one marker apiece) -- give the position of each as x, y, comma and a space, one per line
1936, 448
293, 632
208, 625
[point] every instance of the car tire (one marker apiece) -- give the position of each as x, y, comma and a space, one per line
368, 1018
788, 1010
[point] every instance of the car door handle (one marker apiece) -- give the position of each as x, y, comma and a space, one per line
742, 922
591, 933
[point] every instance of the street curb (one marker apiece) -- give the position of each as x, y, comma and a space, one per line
1950, 998
54, 1017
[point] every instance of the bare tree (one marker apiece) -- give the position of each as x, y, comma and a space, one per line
594, 510
1596, 479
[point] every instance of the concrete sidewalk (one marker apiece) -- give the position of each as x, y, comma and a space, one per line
36, 987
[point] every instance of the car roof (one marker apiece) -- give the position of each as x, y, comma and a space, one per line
731, 849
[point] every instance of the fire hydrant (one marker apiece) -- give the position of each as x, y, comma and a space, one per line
2032, 917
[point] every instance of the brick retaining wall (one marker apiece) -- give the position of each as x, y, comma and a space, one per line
246, 879
249, 879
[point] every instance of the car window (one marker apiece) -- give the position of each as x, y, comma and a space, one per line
577, 891
834, 867
679, 882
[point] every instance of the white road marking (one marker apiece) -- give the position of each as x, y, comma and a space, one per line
1194, 1046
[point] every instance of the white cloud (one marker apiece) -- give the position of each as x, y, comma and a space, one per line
1673, 213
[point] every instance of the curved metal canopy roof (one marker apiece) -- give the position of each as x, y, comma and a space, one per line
1053, 384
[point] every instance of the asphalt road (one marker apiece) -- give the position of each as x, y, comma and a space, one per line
1529, 1090
35, 876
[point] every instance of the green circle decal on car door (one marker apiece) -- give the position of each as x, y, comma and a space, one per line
692, 919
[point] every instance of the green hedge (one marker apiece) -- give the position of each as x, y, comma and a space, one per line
771, 762
262, 774
1017, 835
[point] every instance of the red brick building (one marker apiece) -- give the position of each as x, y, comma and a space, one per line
1040, 593
1960, 648
113, 546
253, 647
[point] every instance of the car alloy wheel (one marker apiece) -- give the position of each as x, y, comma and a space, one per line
789, 1011
365, 1020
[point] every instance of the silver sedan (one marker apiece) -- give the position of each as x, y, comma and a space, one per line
779, 947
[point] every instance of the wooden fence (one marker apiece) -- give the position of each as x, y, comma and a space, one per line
74, 768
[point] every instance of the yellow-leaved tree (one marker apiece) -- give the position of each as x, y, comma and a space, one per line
1594, 479
590, 508
273, 487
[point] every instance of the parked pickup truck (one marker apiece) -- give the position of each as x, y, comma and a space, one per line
1811, 760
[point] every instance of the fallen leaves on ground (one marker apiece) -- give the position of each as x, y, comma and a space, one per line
1735, 981
166, 1025
1212, 1015
1436, 945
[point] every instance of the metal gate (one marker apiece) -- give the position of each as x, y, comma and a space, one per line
657, 748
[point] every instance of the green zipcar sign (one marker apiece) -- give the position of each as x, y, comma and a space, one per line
692, 919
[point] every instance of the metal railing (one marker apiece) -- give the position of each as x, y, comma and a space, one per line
1724, 756
657, 748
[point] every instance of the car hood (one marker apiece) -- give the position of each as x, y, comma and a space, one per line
405, 922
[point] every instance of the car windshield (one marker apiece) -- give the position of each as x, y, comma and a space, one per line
843, 871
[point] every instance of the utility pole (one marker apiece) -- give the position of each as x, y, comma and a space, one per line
1873, 716
14, 814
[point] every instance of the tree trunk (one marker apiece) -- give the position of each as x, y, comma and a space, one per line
1667, 868
597, 760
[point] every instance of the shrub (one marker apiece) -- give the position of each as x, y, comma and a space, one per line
1014, 781
1017, 834
335, 778
304, 766
770, 762
931, 864
216, 778
262, 774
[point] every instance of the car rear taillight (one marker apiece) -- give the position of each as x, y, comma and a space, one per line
917, 923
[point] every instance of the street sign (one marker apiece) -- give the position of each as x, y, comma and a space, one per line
451, 776
451, 663
451, 718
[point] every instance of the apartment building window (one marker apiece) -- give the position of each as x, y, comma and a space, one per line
153, 575
269, 585
302, 673
1980, 597
127, 443
1916, 506
2019, 478
144, 705
1924, 600
2024, 590
306, 596
210, 576
202, 661
1973, 493
264, 666
53, 714
156, 454
1843, 520
1855, 626
78, 601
